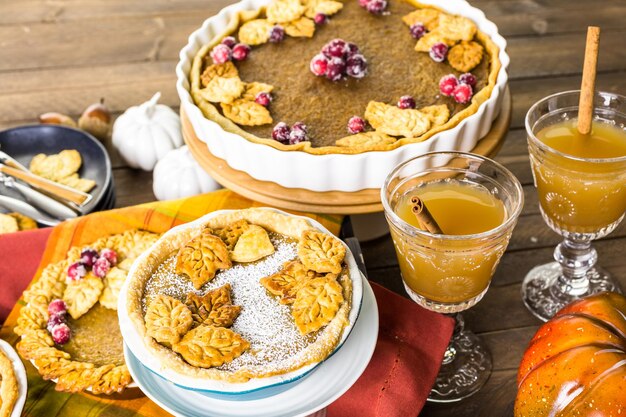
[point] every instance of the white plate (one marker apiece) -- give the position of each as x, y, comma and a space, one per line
20, 375
314, 392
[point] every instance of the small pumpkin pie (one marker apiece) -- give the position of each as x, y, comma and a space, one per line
281, 304
344, 77
71, 306
8, 386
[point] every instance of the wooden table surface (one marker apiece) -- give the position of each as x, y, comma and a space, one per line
61, 55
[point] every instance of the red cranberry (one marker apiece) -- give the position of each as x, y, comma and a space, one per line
240, 51
320, 19
406, 102
462, 93
280, 132
76, 271
101, 267
335, 48
110, 255
221, 54
318, 65
300, 126
277, 34
438, 52
229, 41
263, 99
61, 334
54, 320
57, 307
468, 79
352, 49
356, 66
447, 84
336, 69
417, 30
363, 3
88, 256
356, 125
297, 136
376, 6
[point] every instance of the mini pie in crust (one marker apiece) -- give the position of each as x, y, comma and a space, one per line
8, 386
37, 345
270, 220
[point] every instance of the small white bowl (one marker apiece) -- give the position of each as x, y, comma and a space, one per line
333, 172
270, 385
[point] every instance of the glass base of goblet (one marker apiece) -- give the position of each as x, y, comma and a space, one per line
544, 294
465, 369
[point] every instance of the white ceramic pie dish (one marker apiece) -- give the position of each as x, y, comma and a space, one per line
333, 172
137, 345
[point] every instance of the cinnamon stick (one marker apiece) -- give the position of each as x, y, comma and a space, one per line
424, 217
587, 87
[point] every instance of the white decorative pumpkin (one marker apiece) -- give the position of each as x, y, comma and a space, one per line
145, 133
178, 175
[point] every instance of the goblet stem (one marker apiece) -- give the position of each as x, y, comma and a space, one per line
576, 258
465, 368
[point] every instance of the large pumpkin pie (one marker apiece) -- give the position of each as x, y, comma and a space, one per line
247, 294
326, 76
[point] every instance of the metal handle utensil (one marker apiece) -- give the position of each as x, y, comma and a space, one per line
8, 160
26, 209
39, 200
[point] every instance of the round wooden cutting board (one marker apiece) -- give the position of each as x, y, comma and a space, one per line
300, 199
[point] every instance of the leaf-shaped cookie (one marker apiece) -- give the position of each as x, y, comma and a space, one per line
428, 17
366, 140
208, 346
82, 294
438, 114
222, 90
230, 234
465, 56
215, 308
394, 121
456, 28
327, 7
225, 70
255, 32
74, 181
428, 40
113, 282
283, 11
302, 27
320, 252
316, 303
167, 319
201, 257
252, 245
57, 166
247, 113
252, 89
114, 380
286, 282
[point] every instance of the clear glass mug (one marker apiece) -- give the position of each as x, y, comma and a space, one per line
451, 273
581, 199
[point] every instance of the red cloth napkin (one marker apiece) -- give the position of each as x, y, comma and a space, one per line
410, 347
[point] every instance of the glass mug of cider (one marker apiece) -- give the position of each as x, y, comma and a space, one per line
475, 203
581, 183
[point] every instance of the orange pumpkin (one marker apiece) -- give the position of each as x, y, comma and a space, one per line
575, 364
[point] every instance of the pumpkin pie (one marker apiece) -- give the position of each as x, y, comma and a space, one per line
70, 307
283, 303
326, 77
8, 386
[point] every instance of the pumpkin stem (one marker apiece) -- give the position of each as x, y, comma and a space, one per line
150, 105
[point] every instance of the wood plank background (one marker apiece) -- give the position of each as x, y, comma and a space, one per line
61, 55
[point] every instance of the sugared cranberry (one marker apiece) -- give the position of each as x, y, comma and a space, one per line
54, 320
76, 271
61, 334
277, 34
110, 255
88, 256
229, 41
468, 78
356, 125
335, 48
221, 53
240, 51
297, 136
263, 99
376, 6
356, 66
363, 3
406, 102
280, 132
101, 267
447, 84
438, 52
351, 49
336, 69
318, 65
300, 126
417, 30
462, 93
57, 307
320, 19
